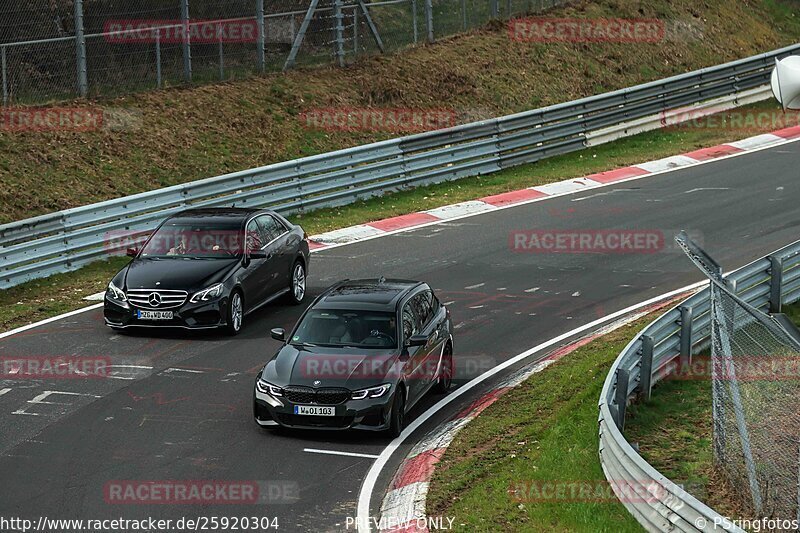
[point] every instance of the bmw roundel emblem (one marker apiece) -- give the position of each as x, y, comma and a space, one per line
317, 382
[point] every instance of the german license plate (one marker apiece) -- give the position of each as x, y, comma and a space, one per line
314, 410
153, 315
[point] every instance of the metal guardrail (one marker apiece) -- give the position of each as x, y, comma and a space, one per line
66, 240
671, 339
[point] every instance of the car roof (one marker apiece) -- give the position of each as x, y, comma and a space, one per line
220, 212
367, 294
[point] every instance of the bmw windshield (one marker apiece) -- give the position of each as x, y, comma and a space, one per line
189, 240
347, 328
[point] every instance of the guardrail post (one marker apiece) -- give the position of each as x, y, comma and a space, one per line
621, 396
775, 283
339, 30
5, 74
429, 19
646, 370
686, 338
186, 42
80, 50
262, 36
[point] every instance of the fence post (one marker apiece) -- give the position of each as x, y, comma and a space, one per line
414, 20
775, 283
464, 14
686, 338
187, 45
262, 36
508, 9
158, 57
221, 53
80, 50
621, 396
355, 31
5, 74
339, 30
429, 19
646, 370
495, 9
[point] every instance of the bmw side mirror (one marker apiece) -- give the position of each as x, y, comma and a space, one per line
417, 340
131, 252
278, 334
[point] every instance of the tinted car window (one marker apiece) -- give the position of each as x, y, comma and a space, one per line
254, 236
409, 321
422, 304
270, 228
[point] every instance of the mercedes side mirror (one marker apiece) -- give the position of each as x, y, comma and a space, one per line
279, 334
417, 340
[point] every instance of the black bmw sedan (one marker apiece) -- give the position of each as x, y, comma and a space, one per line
209, 268
360, 357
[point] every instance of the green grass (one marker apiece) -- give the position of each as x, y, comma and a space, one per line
65, 291
674, 433
543, 430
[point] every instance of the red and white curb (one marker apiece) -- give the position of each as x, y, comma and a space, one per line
371, 230
403, 507
531, 194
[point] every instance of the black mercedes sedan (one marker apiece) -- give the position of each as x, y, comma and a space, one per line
360, 357
209, 268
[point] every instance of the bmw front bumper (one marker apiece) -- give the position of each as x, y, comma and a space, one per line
370, 414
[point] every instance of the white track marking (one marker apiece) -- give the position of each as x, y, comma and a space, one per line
758, 142
562, 187
40, 400
668, 163
475, 286
334, 452
460, 210
4, 391
367, 488
345, 235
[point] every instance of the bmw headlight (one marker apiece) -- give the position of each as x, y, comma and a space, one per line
115, 294
215, 291
372, 392
268, 388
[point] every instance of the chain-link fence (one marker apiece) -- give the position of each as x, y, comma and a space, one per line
755, 372
56, 49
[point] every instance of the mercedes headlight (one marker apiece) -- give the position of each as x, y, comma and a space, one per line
215, 291
115, 294
372, 392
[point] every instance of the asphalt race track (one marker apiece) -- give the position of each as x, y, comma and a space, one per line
179, 405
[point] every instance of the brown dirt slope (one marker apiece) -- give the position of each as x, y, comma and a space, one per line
186, 134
